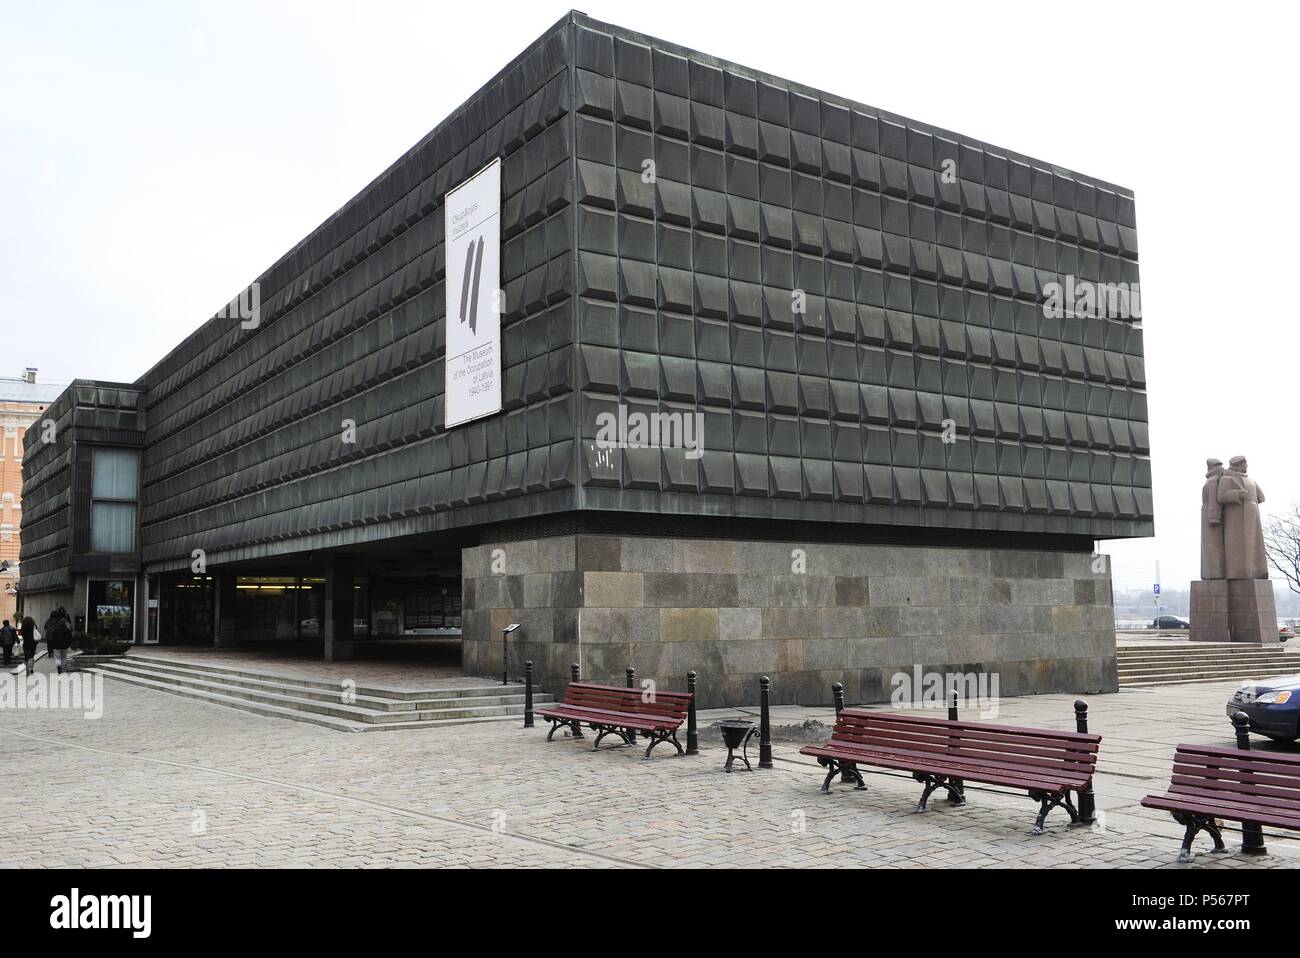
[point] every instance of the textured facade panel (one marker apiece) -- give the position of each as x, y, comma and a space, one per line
877, 271
328, 414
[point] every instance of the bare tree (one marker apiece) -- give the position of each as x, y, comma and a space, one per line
1282, 543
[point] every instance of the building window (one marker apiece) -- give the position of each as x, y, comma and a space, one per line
111, 608
115, 477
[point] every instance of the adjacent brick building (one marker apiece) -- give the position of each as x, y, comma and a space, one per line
23, 402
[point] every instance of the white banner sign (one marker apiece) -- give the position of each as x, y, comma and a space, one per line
473, 237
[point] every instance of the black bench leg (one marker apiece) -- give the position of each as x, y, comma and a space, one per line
932, 782
1042, 814
1048, 802
956, 789
556, 724
849, 774
834, 769
613, 731
658, 737
1197, 823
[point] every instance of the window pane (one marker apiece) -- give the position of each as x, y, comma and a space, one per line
112, 527
114, 474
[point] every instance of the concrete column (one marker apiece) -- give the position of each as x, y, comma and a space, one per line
339, 601
223, 613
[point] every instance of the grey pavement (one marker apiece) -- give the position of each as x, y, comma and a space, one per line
165, 781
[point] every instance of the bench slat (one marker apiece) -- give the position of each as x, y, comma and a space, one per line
1078, 771
1281, 773
993, 734
966, 740
906, 719
973, 773
599, 716
1239, 780
1196, 789
1217, 809
1237, 755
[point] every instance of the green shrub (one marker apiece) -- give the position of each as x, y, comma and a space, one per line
96, 645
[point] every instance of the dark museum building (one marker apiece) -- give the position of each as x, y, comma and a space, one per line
880, 446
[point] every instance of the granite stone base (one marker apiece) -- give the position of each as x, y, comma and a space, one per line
807, 614
1210, 618
1233, 610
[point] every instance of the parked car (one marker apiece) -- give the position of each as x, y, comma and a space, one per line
1272, 705
1285, 632
1169, 622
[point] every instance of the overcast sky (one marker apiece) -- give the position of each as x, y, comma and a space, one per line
156, 157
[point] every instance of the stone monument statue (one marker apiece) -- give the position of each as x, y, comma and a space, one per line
1233, 601
1211, 522
1243, 534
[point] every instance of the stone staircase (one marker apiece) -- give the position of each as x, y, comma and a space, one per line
1172, 663
321, 701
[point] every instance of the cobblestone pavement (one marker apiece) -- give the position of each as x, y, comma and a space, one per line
166, 781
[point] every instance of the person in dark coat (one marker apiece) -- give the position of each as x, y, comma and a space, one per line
58, 638
8, 638
30, 637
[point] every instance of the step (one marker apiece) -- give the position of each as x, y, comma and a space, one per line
435, 699
1152, 683
1194, 660
347, 712
1186, 653
313, 681
1201, 646
1198, 677
458, 708
1194, 666
295, 715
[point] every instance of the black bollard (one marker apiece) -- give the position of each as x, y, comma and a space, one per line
1241, 723
528, 694
1087, 801
837, 693
957, 783
1252, 835
576, 672
631, 683
692, 729
765, 723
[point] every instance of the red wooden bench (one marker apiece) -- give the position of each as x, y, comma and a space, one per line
1254, 788
944, 753
613, 710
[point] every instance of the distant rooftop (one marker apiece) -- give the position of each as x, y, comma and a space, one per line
24, 389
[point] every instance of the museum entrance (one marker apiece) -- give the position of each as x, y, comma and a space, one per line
405, 602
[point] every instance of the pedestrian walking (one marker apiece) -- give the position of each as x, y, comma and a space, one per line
8, 639
30, 637
58, 638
